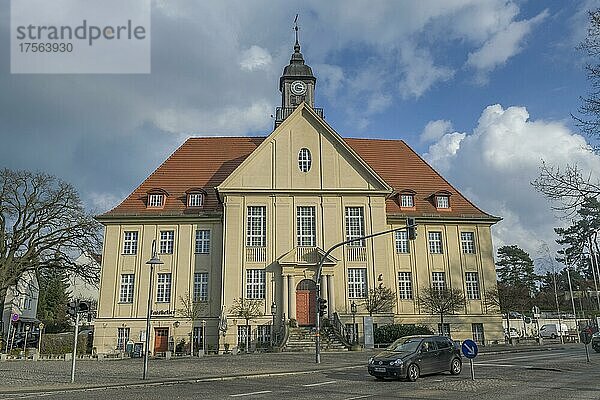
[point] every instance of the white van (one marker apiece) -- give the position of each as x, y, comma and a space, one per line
552, 330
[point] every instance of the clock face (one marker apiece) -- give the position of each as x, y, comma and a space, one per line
298, 87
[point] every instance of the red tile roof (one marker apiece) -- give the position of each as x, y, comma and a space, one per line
206, 162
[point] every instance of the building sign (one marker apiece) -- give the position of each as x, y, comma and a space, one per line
163, 313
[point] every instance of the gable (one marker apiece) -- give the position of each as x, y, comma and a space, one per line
334, 165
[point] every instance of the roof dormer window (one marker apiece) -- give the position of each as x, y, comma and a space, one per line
407, 199
195, 199
156, 200
442, 201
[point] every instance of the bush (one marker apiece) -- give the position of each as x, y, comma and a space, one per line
389, 333
63, 343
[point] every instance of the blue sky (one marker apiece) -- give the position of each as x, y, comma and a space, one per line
482, 89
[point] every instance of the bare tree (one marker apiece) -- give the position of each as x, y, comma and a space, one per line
380, 299
442, 301
247, 309
192, 311
43, 225
506, 298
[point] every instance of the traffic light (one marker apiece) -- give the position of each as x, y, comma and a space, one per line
72, 308
83, 306
322, 306
411, 226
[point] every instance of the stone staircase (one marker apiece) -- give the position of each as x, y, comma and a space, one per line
303, 339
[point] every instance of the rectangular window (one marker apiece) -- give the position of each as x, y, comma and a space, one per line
442, 201
438, 280
401, 240
163, 291
126, 291
167, 239
405, 285
155, 200
357, 283
435, 242
256, 235
444, 330
306, 229
467, 242
202, 241
407, 200
242, 336
195, 200
130, 242
472, 283
122, 338
355, 225
263, 334
198, 339
255, 283
478, 334
200, 286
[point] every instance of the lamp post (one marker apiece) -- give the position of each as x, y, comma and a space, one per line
203, 322
151, 262
353, 311
273, 313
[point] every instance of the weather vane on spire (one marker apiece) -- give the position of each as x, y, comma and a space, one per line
296, 27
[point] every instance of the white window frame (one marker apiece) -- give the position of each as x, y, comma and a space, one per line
472, 285
357, 283
130, 242
195, 199
202, 245
442, 201
255, 283
407, 200
200, 286
243, 334
304, 160
306, 226
156, 200
256, 233
163, 288
122, 338
263, 334
126, 289
405, 291
478, 332
355, 225
438, 280
435, 242
401, 242
467, 242
167, 242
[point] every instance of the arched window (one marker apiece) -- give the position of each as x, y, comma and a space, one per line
304, 160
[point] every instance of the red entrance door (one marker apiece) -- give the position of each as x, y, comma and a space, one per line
306, 293
161, 339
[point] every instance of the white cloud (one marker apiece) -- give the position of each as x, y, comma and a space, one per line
420, 72
496, 163
434, 130
502, 45
255, 58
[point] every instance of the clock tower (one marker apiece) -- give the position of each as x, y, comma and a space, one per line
297, 85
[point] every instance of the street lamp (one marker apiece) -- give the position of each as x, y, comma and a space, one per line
151, 262
273, 313
353, 311
203, 322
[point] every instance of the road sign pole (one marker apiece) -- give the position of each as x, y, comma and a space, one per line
472, 369
75, 346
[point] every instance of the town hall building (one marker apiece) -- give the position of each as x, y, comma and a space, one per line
248, 218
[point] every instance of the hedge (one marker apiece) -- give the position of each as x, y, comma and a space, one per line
389, 333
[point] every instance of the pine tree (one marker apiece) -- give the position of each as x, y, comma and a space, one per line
515, 268
53, 299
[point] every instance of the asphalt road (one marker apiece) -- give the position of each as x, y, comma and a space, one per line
558, 374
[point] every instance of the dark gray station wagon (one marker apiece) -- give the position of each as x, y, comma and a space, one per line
412, 356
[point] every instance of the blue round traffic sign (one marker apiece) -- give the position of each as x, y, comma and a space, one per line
469, 348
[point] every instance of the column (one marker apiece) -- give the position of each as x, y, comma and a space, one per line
285, 295
330, 295
292, 291
324, 292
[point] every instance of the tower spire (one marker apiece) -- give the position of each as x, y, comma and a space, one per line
297, 44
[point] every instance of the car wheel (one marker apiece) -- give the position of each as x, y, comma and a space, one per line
553, 336
455, 366
597, 349
413, 372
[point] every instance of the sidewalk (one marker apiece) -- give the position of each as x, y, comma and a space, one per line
35, 376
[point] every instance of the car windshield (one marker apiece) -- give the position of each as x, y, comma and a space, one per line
407, 345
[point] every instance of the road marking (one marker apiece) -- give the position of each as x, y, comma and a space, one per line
359, 397
503, 365
249, 394
319, 384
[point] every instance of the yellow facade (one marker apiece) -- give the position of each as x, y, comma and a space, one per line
270, 177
